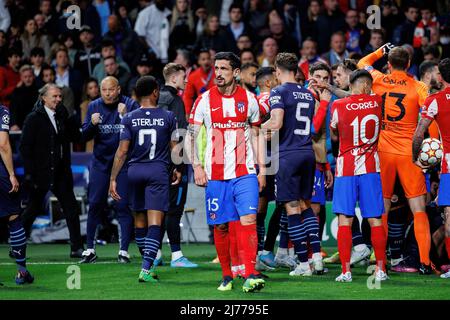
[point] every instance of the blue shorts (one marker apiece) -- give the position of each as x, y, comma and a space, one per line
148, 187
318, 195
227, 200
444, 190
9, 202
365, 188
295, 177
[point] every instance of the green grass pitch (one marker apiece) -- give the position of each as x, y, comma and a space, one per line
109, 280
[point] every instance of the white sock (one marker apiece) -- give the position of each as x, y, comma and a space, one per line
91, 250
259, 253
265, 252
123, 253
360, 247
282, 251
304, 265
316, 256
292, 252
159, 254
176, 255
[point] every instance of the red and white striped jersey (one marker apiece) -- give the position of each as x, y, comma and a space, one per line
263, 100
227, 120
437, 107
357, 119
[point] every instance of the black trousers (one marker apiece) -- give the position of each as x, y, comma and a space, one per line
63, 190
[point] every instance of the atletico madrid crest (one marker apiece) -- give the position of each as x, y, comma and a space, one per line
241, 107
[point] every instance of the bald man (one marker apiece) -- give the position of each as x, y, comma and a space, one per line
102, 123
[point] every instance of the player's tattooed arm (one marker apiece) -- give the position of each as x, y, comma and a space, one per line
418, 137
119, 160
190, 145
276, 120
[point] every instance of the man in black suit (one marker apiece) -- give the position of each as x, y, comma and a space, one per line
45, 149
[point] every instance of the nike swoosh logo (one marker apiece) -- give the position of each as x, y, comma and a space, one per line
215, 109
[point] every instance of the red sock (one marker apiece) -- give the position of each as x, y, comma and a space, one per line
248, 245
378, 238
384, 219
447, 246
234, 252
423, 237
344, 238
290, 244
222, 243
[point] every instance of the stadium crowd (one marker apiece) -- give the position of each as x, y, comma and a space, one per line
99, 64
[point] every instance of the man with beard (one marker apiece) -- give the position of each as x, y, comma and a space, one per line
248, 76
102, 123
429, 72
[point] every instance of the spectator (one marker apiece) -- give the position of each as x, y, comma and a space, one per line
39, 18
292, 20
91, 17
45, 150
184, 58
108, 50
152, 27
200, 80
122, 12
223, 13
181, 26
68, 41
389, 17
375, 42
244, 42
413, 67
67, 76
68, 99
247, 56
309, 56
5, 18
355, 34
113, 69
330, 21
269, 53
90, 93
50, 18
337, 52
104, 11
235, 28
212, 37
256, 16
13, 36
285, 42
37, 60
144, 67
32, 38
88, 56
200, 20
404, 33
3, 48
23, 97
422, 36
310, 27
126, 42
9, 77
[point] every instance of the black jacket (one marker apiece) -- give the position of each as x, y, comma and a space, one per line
41, 146
170, 100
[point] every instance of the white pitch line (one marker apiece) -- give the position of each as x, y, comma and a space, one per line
55, 263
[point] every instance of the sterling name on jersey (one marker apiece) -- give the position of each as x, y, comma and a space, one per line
150, 131
358, 120
227, 120
298, 104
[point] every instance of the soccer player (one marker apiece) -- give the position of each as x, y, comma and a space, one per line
228, 111
10, 201
102, 123
149, 133
436, 108
402, 98
291, 113
174, 76
356, 120
266, 80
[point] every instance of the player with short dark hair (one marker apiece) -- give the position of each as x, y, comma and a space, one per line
147, 136
10, 201
229, 174
436, 108
356, 120
292, 112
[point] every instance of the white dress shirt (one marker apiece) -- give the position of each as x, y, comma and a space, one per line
51, 115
